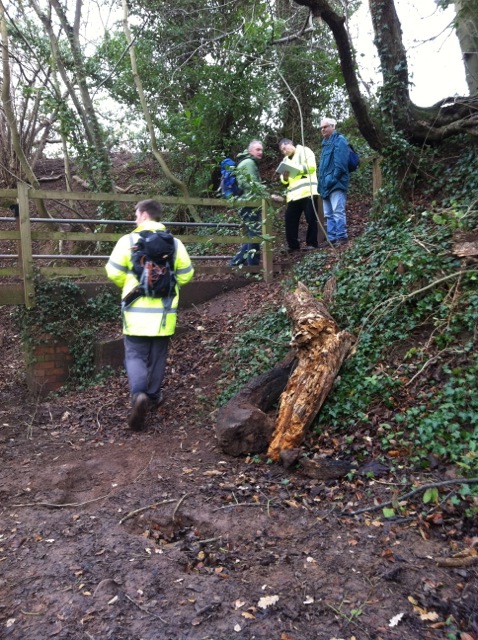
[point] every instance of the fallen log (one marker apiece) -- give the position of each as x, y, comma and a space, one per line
321, 349
243, 425
50, 178
320, 467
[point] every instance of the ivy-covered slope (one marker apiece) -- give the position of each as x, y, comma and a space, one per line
409, 390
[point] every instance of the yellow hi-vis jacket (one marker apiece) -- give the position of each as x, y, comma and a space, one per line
147, 316
304, 184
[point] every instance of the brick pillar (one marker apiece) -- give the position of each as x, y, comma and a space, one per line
48, 363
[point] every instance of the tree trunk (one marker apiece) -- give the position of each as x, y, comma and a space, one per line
147, 115
321, 9
243, 425
449, 117
321, 349
103, 174
466, 26
10, 115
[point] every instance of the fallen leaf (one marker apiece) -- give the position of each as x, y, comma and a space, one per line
292, 503
429, 615
267, 601
395, 620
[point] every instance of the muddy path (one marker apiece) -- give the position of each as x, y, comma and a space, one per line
106, 533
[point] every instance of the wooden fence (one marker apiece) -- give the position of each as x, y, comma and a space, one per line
20, 289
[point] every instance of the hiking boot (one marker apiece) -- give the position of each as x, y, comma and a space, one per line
154, 403
309, 247
138, 412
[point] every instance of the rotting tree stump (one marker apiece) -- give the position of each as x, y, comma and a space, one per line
321, 349
243, 425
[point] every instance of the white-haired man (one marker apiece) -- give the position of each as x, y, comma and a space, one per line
334, 180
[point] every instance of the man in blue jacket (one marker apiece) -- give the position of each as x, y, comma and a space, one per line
334, 180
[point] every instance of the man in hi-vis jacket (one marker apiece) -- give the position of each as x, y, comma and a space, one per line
301, 194
148, 323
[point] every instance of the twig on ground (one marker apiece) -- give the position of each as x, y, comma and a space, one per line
423, 487
180, 501
153, 615
52, 505
103, 406
143, 470
456, 562
247, 504
431, 361
131, 514
207, 540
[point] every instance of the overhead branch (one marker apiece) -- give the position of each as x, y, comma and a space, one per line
322, 9
419, 125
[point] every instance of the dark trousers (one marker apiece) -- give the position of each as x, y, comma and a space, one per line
249, 253
145, 363
294, 210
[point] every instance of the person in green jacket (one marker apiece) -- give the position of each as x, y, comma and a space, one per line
248, 177
148, 323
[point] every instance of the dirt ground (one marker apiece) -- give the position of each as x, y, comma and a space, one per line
109, 534
159, 535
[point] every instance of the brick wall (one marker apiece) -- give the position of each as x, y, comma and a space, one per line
48, 365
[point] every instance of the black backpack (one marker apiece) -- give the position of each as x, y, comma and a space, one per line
354, 159
153, 265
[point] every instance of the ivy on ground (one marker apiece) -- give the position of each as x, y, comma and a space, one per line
413, 306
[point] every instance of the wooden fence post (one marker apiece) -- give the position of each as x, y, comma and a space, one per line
321, 235
376, 175
25, 245
267, 256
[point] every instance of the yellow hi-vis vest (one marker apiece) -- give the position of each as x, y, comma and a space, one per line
147, 316
304, 184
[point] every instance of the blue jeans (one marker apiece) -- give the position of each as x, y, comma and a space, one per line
334, 213
249, 253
